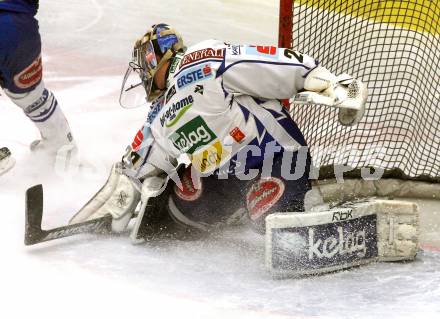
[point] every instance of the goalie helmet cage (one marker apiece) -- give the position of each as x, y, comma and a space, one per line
394, 47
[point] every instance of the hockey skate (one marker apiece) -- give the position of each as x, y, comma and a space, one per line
63, 154
52, 146
6, 160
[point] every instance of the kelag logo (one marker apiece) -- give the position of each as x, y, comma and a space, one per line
192, 136
194, 75
176, 111
326, 245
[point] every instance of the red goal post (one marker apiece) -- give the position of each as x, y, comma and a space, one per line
285, 24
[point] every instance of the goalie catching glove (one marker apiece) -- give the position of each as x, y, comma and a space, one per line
343, 91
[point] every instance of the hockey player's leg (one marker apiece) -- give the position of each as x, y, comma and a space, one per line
269, 195
192, 210
157, 221
42, 108
21, 78
281, 191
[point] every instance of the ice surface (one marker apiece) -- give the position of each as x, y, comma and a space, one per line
86, 47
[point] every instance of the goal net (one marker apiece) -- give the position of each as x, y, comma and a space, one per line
393, 46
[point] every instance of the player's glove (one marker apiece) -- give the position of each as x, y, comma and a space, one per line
343, 91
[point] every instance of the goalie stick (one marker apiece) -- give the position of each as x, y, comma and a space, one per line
34, 213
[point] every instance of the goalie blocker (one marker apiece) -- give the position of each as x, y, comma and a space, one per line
359, 233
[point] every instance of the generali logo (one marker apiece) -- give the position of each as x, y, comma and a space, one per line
208, 53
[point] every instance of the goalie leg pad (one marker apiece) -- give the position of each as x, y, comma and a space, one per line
318, 242
118, 197
398, 230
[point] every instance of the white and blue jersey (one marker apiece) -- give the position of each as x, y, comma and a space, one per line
222, 109
221, 98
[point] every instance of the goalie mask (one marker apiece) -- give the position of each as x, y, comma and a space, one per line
150, 53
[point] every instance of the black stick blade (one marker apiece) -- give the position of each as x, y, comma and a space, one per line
34, 214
